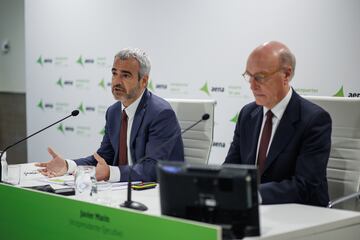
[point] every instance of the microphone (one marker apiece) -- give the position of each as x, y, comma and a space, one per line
73, 114
140, 206
204, 117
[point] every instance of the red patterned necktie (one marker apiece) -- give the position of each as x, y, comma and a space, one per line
264, 142
123, 142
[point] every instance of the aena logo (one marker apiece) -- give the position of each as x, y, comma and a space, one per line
354, 95
219, 144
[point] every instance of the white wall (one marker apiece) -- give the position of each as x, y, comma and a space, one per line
12, 28
191, 43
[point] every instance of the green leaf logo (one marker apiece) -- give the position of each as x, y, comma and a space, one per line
41, 104
80, 61
205, 89
61, 128
81, 108
339, 93
60, 83
102, 84
150, 86
235, 118
40, 61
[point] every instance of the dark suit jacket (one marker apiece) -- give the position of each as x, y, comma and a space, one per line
295, 168
155, 123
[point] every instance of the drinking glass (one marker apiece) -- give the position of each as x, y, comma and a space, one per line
85, 181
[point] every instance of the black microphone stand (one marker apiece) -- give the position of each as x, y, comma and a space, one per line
140, 206
73, 114
130, 203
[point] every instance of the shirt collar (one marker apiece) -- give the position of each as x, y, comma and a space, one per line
131, 109
279, 109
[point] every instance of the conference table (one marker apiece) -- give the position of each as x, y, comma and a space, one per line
282, 221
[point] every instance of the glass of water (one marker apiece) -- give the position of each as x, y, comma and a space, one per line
85, 181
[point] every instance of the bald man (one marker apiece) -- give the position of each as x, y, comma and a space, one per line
286, 136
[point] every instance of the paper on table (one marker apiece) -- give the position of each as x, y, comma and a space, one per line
66, 180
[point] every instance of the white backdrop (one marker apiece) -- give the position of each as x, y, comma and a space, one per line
198, 49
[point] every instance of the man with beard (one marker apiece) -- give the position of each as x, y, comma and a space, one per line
139, 128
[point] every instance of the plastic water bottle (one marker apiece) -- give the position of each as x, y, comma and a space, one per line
4, 168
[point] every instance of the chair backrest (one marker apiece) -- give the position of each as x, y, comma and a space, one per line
343, 170
197, 140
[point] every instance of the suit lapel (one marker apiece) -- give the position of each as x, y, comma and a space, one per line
253, 130
285, 130
138, 118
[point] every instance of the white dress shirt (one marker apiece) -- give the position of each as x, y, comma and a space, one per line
115, 174
278, 111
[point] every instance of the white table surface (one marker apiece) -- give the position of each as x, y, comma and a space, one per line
283, 221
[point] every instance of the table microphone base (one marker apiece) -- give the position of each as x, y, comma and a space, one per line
134, 205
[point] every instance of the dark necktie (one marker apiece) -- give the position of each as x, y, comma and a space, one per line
264, 142
123, 142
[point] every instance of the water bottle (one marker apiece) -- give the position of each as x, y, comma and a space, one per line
4, 167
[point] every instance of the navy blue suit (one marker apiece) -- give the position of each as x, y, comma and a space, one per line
155, 123
295, 168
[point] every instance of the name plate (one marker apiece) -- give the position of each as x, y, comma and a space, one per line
29, 214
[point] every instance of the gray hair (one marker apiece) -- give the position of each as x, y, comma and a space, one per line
286, 57
140, 56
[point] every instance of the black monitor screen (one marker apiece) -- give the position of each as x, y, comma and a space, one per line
225, 195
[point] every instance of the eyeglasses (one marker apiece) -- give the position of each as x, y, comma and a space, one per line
259, 77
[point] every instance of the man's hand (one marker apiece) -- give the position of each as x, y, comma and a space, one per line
55, 167
102, 169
